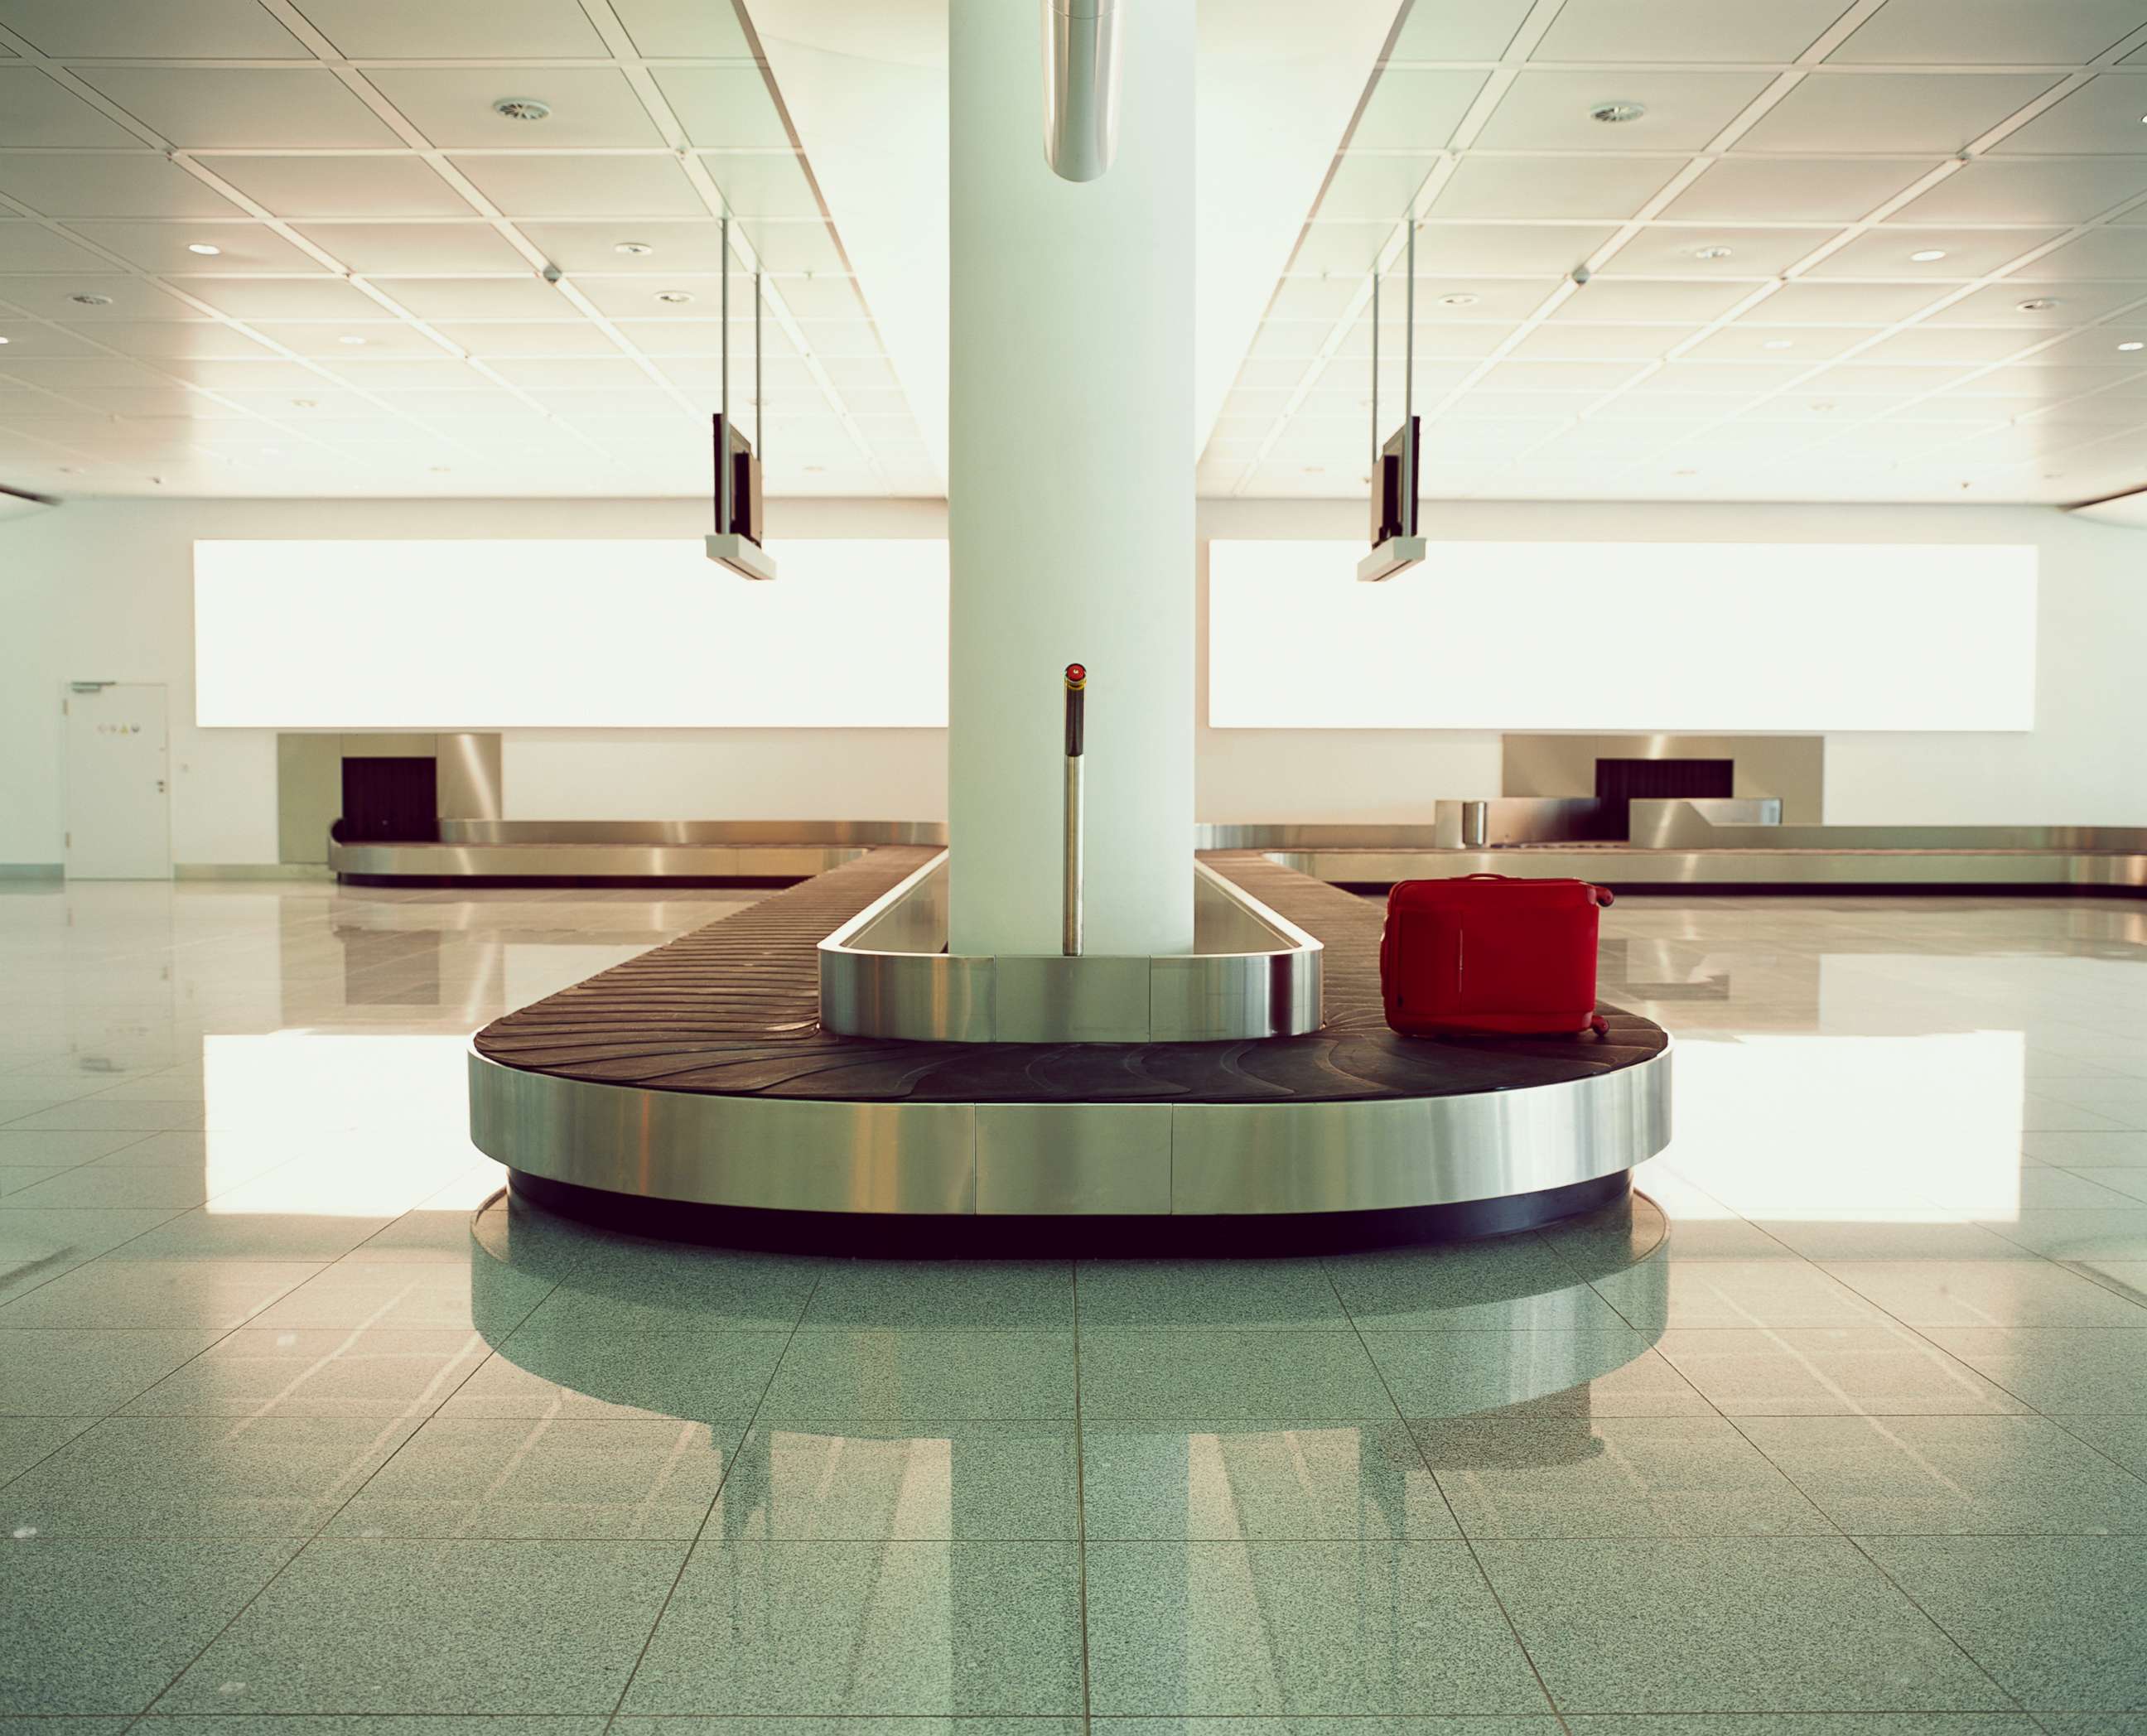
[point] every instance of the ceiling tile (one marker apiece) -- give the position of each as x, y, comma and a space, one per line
680, 248
152, 29
387, 249
620, 187
1672, 30
1505, 300
1500, 250
525, 297
27, 339
1999, 304
1549, 111
452, 106
1878, 111
1414, 111
63, 184
1369, 187
201, 338
2099, 348
1799, 345
242, 247
1568, 340
1662, 250
2107, 252
465, 30
1314, 298
580, 374
1765, 189
1603, 298
1857, 378
763, 183
529, 337
1347, 248
788, 246
1479, 31
307, 298
303, 186
705, 337
674, 29
1807, 303
1600, 188
634, 297
332, 340
723, 108
2023, 190
1962, 32
36, 110
205, 107
1885, 253
1578, 376
2101, 119
1951, 343
124, 298
2044, 379
368, 370
31, 247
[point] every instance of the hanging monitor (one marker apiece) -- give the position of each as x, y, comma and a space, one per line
1396, 542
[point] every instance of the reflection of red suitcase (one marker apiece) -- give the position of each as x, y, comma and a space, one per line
1487, 953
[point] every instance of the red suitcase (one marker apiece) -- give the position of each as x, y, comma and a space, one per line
1490, 952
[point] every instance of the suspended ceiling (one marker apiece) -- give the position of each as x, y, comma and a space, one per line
375, 320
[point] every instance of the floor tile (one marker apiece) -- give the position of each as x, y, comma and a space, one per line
386, 1724
1877, 1235
64, 1150
674, 1290
1252, 1295
561, 1477
1532, 1373
891, 1376
1337, 1629
942, 1296
95, 1185
1866, 1371
588, 1374
176, 1477
2123, 1439
218, 1294
100, 1114
483, 1296
1266, 1482
25, 1440
1971, 1476
1987, 1292
2098, 1234
1670, 1292
280, 1371
470, 1626
16, 1178
2057, 1370
102, 1627
822, 1479
1613, 1477
1127, 1374
1780, 1624
37, 1246
1503, 1284
868, 1627
2060, 1622
70, 1371
203, 1234
1812, 1724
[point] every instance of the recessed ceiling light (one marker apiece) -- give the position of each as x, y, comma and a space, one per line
1777, 343
7, 340
1925, 256
2040, 304
89, 300
1822, 408
2134, 345
522, 109
350, 338
674, 297
207, 249
438, 469
1617, 113
1685, 472
1461, 300
1712, 253
816, 470
635, 247
305, 403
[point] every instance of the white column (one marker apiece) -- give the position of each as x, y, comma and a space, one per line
1070, 489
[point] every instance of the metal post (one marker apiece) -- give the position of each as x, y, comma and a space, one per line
725, 521
1077, 691
759, 401
1375, 375
1408, 391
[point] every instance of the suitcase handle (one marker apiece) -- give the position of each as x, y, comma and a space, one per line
1602, 894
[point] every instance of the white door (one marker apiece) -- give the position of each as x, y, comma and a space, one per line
119, 814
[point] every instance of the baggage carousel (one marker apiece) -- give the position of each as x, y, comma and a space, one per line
693, 1091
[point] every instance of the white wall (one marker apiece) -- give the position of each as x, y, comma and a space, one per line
100, 590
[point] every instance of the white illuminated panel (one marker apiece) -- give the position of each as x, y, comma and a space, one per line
489, 635
1701, 637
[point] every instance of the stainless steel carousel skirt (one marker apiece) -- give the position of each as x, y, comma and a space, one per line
1233, 1174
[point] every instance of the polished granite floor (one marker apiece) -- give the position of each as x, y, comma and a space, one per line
1845, 1423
